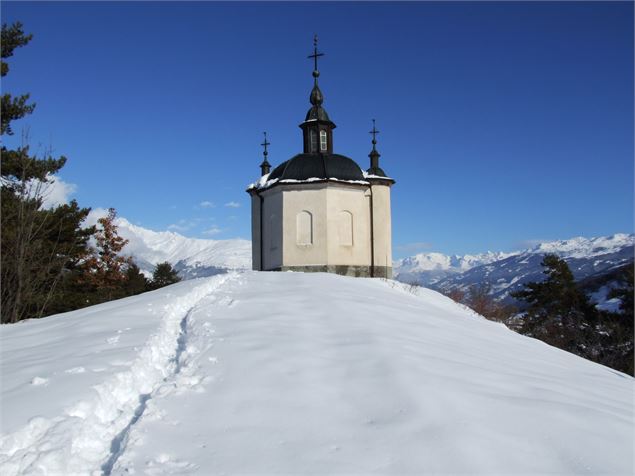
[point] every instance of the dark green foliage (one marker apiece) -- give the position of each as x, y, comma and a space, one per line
136, 282
625, 293
164, 275
12, 37
556, 305
561, 315
621, 324
595, 282
13, 108
103, 274
19, 168
47, 265
40, 248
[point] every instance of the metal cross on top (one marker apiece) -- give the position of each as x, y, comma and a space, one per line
374, 132
265, 144
315, 54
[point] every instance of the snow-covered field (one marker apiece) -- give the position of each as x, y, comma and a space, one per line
297, 373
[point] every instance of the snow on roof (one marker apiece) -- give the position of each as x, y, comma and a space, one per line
263, 182
371, 176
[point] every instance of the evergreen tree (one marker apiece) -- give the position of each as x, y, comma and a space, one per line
625, 294
18, 167
37, 245
621, 354
559, 313
12, 108
164, 275
136, 282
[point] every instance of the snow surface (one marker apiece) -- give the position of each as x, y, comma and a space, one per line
301, 373
601, 297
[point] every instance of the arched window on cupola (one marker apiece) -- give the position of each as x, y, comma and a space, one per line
323, 145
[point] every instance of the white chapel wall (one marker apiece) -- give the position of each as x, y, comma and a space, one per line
345, 228
348, 203
325, 224
382, 225
255, 232
298, 204
272, 229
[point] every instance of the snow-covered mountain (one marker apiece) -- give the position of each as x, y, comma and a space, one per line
298, 373
507, 272
192, 257
428, 268
503, 272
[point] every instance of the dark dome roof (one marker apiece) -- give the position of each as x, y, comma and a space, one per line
377, 171
317, 113
306, 166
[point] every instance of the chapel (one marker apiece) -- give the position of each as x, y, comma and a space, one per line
319, 211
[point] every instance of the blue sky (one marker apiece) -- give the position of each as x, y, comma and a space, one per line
502, 122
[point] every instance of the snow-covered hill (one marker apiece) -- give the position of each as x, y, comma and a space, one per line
192, 257
301, 373
507, 272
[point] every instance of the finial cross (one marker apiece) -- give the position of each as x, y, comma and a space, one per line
374, 132
315, 54
265, 144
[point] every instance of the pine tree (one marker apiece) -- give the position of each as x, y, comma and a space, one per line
136, 282
37, 245
12, 108
559, 313
164, 275
18, 167
621, 325
625, 294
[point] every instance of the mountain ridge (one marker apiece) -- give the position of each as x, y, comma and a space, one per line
585, 256
192, 257
502, 272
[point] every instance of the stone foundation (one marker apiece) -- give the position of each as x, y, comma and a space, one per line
344, 270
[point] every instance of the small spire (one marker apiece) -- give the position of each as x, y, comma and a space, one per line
374, 155
315, 57
374, 132
316, 96
265, 167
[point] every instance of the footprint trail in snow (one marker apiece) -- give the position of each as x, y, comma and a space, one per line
90, 435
